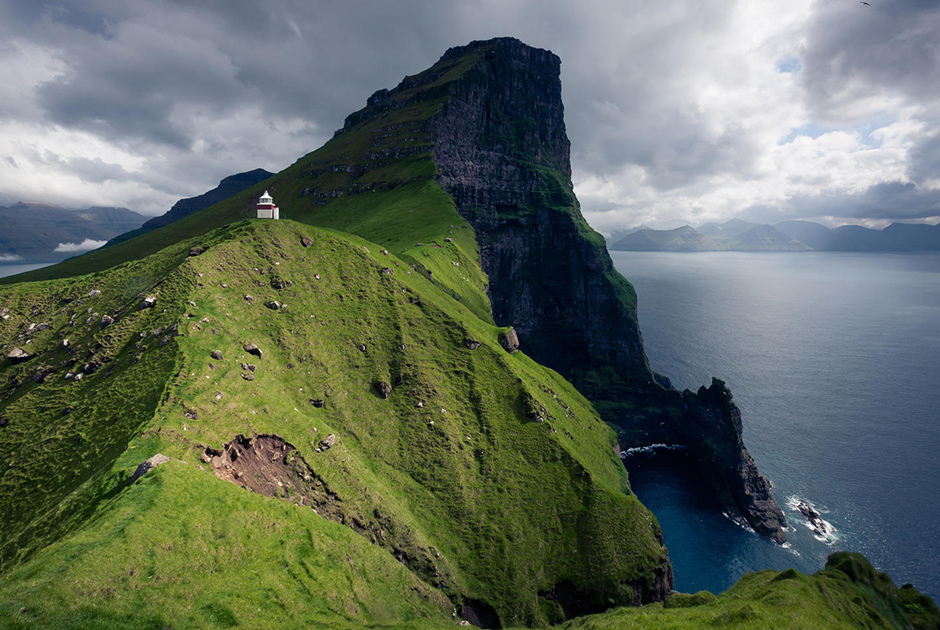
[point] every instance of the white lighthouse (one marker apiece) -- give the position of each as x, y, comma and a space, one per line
266, 207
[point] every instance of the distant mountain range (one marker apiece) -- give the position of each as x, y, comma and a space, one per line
38, 233
788, 236
231, 185
44, 233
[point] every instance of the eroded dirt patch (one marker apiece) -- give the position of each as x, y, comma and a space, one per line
269, 465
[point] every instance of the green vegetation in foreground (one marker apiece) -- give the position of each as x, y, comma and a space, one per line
490, 477
847, 594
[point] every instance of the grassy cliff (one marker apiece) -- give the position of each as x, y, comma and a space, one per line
477, 478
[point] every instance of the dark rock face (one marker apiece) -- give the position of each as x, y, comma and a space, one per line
741, 487
503, 154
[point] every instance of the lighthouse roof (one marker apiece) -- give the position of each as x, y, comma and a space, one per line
266, 197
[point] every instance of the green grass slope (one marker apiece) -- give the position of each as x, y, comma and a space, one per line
487, 476
847, 594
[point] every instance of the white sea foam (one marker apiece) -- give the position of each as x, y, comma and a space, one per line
650, 450
823, 530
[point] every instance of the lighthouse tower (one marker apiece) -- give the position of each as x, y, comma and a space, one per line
266, 207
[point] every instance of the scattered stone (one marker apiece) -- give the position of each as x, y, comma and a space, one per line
5, 313
79, 376
317, 402
18, 355
509, 340
249, 298
273, 305
67, 410
195, 251
93, 293
65, 343
362, 348
4, 421
388, 271
223, 285
149, 302
217, 355
280, 283
316, 276
383, 388
42, 373
43, 326
251, 348
251, 367
148, 465
248, 376
328, 441
306, 241
470, 343
448, 240
106, 320
192, 414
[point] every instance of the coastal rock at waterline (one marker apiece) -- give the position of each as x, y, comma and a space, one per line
714, 429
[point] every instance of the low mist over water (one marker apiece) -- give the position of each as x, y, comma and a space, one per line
834, 360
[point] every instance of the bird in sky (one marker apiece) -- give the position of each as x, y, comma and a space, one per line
865, 3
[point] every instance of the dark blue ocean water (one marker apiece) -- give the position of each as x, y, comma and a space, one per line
834, 360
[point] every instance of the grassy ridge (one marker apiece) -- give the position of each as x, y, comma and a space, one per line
489, 476
847, 594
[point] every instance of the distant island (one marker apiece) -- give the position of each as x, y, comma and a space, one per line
789, 236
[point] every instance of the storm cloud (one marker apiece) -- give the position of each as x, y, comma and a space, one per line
678, 111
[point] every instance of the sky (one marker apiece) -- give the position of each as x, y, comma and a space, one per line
679, 111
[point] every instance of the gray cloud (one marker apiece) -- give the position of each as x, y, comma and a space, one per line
181, 93
890, 201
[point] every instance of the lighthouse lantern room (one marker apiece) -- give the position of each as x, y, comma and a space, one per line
266, 207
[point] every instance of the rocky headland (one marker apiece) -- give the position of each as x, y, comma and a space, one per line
502, 152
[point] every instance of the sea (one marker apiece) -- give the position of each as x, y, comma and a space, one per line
12, 270
834, 360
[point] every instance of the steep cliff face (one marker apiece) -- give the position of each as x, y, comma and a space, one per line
502, 153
